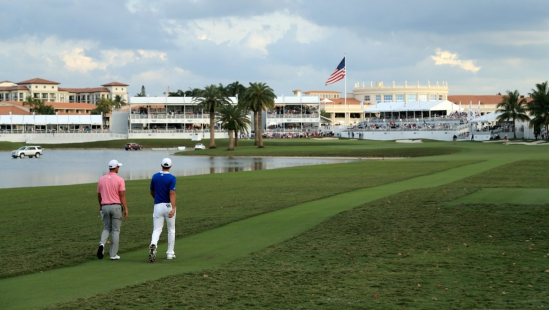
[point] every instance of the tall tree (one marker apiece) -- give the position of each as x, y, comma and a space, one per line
539, 106
258, 97
211, 99
234, 119
143, 93
118, 102
193, 92
512, 107
104, 106
235, 89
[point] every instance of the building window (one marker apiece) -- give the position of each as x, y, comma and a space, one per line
423, 97
399, 98
433, 97
440, 97
53, 87
36, 86
44, 86
378, 98
388, 98
116, 89
367, 98
412, 97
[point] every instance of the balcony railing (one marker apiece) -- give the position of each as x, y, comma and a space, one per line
314, 115
169, 116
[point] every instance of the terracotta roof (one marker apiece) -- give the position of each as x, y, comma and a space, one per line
6, 82
5, 110
84, 90
484, 99
342, 101
19, 103
38, 81
115, 84
5, 88
61, 105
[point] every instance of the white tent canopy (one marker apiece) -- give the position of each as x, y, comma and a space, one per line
438, 105
50, 119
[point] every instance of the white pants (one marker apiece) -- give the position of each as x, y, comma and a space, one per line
161, 212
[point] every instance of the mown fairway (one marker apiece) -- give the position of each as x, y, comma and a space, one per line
399, 241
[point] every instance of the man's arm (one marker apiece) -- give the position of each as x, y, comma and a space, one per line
124, 204
99, 198
172, 201
152, 193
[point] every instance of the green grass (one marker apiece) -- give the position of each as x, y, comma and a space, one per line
407, 250
62, 224
279, 147
506, 195
401, 246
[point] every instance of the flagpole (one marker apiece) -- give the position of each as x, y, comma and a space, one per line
346, 122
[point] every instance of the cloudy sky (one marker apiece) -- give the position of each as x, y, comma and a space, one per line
478, 47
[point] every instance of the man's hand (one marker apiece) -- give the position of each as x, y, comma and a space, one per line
172, 213
125, 213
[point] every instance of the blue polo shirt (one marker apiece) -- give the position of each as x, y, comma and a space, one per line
162, 183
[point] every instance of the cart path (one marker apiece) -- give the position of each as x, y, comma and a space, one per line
206, 249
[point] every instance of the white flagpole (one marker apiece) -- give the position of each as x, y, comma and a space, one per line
345, 56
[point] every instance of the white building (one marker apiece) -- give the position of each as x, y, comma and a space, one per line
49, 91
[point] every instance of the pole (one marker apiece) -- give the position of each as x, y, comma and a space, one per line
346, 122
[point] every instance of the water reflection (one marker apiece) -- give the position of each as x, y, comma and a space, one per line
63, 167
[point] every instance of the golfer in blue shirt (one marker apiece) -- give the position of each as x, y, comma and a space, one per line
163, 192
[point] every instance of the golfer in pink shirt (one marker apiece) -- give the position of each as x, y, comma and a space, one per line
111, 193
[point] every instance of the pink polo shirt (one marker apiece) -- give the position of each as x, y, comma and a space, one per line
109, 187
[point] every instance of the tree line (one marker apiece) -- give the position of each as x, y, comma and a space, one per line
535, 112
234, 118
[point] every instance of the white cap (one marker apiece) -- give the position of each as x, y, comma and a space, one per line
114, 163
166, 163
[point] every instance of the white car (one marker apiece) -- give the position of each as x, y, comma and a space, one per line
199, 146
30, 151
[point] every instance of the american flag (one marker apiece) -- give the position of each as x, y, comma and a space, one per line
338, 74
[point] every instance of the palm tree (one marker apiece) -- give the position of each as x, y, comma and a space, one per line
118, 102
104, 107
178, 93
539, 106
258, 97
38, 106
235, 89
33, 103
512, 107
235, 119
211, 99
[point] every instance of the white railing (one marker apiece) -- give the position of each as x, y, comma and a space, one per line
172, 131
314, 115
71, 131
169, 116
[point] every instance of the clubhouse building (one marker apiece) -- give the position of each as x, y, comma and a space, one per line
373, 111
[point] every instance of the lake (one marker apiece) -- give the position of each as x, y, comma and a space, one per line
64, 167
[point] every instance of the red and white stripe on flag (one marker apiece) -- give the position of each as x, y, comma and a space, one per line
338, 74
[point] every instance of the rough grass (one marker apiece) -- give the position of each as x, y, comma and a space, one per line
60, 226
409, 250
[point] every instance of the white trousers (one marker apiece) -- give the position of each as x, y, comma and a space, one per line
161, 212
